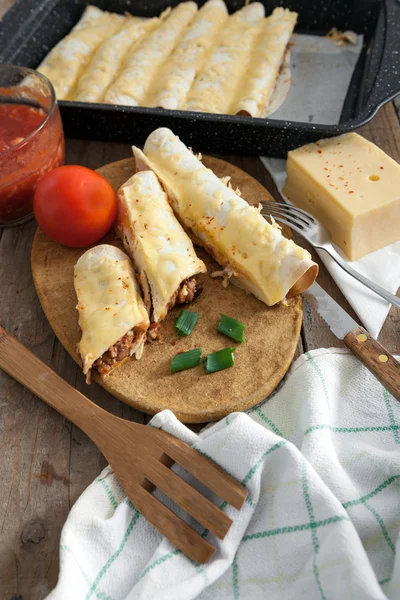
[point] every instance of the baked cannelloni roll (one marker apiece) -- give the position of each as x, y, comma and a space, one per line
112, 315
171, 89
143, 63
66, 62
106, 63
254, 253
163, 254
215, 87
267, 59
90, 16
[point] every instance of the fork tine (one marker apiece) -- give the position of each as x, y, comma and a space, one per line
170, 525
289, 224
291, 208
287, 211
206, 471
301, 211
188, 498
291, 219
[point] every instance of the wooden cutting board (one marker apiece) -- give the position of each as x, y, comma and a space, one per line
147, 385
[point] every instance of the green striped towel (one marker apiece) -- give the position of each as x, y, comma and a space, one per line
321, 462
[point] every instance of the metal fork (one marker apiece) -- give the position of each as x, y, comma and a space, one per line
319, 237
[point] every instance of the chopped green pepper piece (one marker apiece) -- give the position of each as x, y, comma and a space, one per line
186, 322
219, 360
231, 328
186, 360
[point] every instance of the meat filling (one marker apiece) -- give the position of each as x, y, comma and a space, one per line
120, 350
187, 292
153, 332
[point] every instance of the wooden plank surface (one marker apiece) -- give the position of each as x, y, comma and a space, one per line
45, 463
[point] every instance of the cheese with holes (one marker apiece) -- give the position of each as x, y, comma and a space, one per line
352, 187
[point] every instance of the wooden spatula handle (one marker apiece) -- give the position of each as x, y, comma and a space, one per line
376, 358
25, 367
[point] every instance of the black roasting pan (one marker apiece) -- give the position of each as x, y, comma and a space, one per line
31, 27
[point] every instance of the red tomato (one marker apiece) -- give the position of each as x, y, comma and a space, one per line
74, 205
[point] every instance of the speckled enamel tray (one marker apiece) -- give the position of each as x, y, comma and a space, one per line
32, 27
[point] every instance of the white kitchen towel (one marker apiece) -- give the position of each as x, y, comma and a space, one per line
382, 267
321, 463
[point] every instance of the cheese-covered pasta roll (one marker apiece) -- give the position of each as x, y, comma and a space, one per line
89, 16
176, 78
65, 63
269, 50
143, 63
162, 252
108, 59
216, 84
249, 249
112, 315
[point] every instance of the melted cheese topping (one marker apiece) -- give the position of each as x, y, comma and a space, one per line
67, 60
262, 260
154, 238
109, 302
211, 62
215, 86
133, 84
259, 82
171, 89
89, 16
108, 59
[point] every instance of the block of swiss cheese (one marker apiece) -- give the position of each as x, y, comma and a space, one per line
352, 187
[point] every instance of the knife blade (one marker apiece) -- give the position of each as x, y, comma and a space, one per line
371, 353
337, 319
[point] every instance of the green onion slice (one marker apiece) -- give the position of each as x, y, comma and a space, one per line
186, 322
186, 360
231, 328
219, 360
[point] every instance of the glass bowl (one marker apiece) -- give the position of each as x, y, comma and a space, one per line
26, 97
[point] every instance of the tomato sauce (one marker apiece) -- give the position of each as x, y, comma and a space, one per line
25, 155
17, 121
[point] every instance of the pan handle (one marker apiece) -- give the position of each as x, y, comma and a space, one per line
387, 83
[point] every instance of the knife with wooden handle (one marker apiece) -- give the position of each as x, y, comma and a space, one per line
374, 356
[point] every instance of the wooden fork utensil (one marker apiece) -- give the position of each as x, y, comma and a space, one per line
140, 456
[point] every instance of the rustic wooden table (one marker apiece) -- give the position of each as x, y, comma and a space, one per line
45, 462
